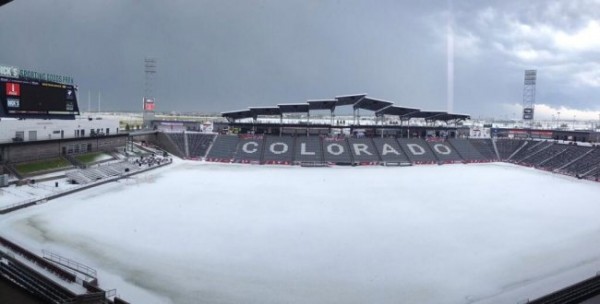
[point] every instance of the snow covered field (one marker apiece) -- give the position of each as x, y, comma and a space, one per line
202, 233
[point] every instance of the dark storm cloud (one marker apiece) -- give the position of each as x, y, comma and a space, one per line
222, 55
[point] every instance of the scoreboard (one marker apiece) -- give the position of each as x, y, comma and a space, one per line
27, 98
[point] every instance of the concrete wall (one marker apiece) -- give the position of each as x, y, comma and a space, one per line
39, 129
30, 151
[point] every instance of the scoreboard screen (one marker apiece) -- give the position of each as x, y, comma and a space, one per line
32, 98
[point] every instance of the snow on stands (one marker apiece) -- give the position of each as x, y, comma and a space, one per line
211, 233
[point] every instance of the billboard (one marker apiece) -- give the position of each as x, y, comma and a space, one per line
528, 114
28, 98
148, 104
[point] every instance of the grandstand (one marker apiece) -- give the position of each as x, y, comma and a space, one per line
544, 155
485, 147
279, 150
528, 150
390, 152
198, 144
249, 150
336, 151
223, 148
309, 150
506, 147
363, 151
584, 164
418, 151
570, 155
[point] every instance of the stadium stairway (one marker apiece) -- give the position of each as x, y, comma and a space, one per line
515, 152
496, 149
506, 148
11, 170
186, 145
485, 147
76, 163
199, 144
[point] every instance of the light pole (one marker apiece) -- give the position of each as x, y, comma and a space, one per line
558, 120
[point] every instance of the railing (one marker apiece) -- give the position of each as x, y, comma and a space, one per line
78, 267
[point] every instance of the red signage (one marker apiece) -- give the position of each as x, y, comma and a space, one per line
13, 89
148, 104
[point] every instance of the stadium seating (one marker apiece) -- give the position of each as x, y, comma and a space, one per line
223, 148
570, 154
584, 164
198, 144
85, 176
543, 155
390, 152
466, 150
418, 151
583, 161
308, 150
593, 174
485, 148
179, 140
278, 150
165, 142
506, 147
445, 152
249, 150
337, 151
529, 150
363, 151
34, 283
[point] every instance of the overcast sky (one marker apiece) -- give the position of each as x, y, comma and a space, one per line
216, 56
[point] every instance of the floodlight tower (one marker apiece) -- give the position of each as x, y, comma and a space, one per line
148, 100
529, 96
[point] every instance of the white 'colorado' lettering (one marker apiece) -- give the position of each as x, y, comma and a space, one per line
388, 149
442, 149
340, 149
303, 150
358, 148
248, 150
283, 148
416, 149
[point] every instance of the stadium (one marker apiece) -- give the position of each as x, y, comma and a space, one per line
346, 198
396, 205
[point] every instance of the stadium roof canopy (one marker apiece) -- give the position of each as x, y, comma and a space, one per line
348, 100
2, 2
293, 107
266, 111
322, 104
372, 104
448, 117
357, 101
427, 115
395, 111
235, 115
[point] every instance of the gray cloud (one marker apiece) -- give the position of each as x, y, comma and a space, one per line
222, 55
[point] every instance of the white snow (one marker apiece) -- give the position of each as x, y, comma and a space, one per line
202, 233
